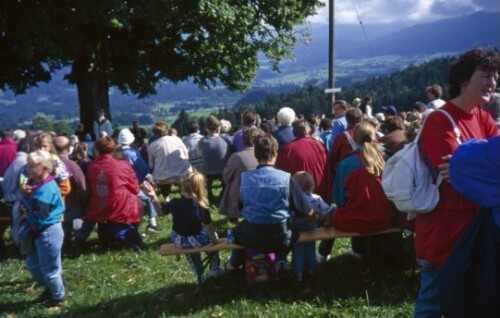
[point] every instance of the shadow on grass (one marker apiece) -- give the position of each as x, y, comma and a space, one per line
376, 283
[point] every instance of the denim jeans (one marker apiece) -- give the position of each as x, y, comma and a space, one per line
151, 208
303, 256
428, 300
44, 262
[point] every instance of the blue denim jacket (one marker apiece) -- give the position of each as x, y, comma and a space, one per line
265, 195
270, 196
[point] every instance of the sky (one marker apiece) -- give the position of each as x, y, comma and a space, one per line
390, 11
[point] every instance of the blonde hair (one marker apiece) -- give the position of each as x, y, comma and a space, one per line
304, 180
38, 140
193, 185
41, 157
372, 158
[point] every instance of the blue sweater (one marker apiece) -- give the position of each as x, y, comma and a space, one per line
474, 172
47, 205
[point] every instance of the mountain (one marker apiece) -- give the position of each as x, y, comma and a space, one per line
448, 35
390, 48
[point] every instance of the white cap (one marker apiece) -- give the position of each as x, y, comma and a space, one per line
126, 137
19, 134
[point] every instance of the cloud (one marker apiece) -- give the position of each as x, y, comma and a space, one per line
387, 11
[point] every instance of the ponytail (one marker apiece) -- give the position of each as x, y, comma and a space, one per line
372, 158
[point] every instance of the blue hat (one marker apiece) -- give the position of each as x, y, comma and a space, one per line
390, 109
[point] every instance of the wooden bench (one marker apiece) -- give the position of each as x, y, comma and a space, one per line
321, 233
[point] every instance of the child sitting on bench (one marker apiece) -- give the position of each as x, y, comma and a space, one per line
304, 253
191, 224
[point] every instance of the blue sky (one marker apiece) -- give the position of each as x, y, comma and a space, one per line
391, 11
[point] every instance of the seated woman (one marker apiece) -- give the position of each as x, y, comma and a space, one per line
357, 191
113, 202
238, 162
269, 196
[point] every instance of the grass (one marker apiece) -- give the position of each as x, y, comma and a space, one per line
124, 283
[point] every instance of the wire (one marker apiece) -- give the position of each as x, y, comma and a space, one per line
363, 27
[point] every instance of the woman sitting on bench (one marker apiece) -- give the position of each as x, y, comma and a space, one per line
269, 196
357, 191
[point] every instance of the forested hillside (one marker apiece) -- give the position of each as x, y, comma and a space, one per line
401, 89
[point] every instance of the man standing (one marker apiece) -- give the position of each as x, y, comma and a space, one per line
434, 94
102, 125
339, 123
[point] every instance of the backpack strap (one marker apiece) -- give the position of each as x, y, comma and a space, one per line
453, 124
351, 141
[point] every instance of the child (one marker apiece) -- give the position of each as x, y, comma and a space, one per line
43, 208
191, 224
304, 254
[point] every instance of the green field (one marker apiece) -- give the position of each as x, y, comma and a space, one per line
128, 284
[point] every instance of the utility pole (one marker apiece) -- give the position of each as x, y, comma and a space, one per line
331, 55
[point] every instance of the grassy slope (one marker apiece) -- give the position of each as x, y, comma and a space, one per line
128, 284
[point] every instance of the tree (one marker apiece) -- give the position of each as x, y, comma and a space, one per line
41, 122
61, 127
136, 44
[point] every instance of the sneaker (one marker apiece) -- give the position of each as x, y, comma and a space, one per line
213, 273
52, 303
320, 259
353, 254
153, 228
45, 295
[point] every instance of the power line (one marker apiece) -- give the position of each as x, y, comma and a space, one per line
363, 27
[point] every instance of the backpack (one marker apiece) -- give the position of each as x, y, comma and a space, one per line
259, 267
407, 180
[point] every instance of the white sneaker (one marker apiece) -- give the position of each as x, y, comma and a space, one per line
213, 273
320, 259
353, 254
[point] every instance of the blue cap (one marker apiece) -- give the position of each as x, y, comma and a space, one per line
390, 109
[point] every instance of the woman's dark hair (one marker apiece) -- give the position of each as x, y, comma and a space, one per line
249, 135
461, 70
266, 147
394, 123
105, 145
192, 127
325, 124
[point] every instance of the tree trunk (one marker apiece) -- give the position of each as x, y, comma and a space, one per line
92, 86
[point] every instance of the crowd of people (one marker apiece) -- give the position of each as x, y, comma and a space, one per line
276, 180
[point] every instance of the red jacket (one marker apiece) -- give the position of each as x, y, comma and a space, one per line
364, 208
306, 154
113, 191
8, 149
439, 230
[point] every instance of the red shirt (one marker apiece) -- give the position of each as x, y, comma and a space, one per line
113, 191
438, 231
305, 154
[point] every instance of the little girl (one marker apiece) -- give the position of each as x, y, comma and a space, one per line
191, 224
304, 254
43, 208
